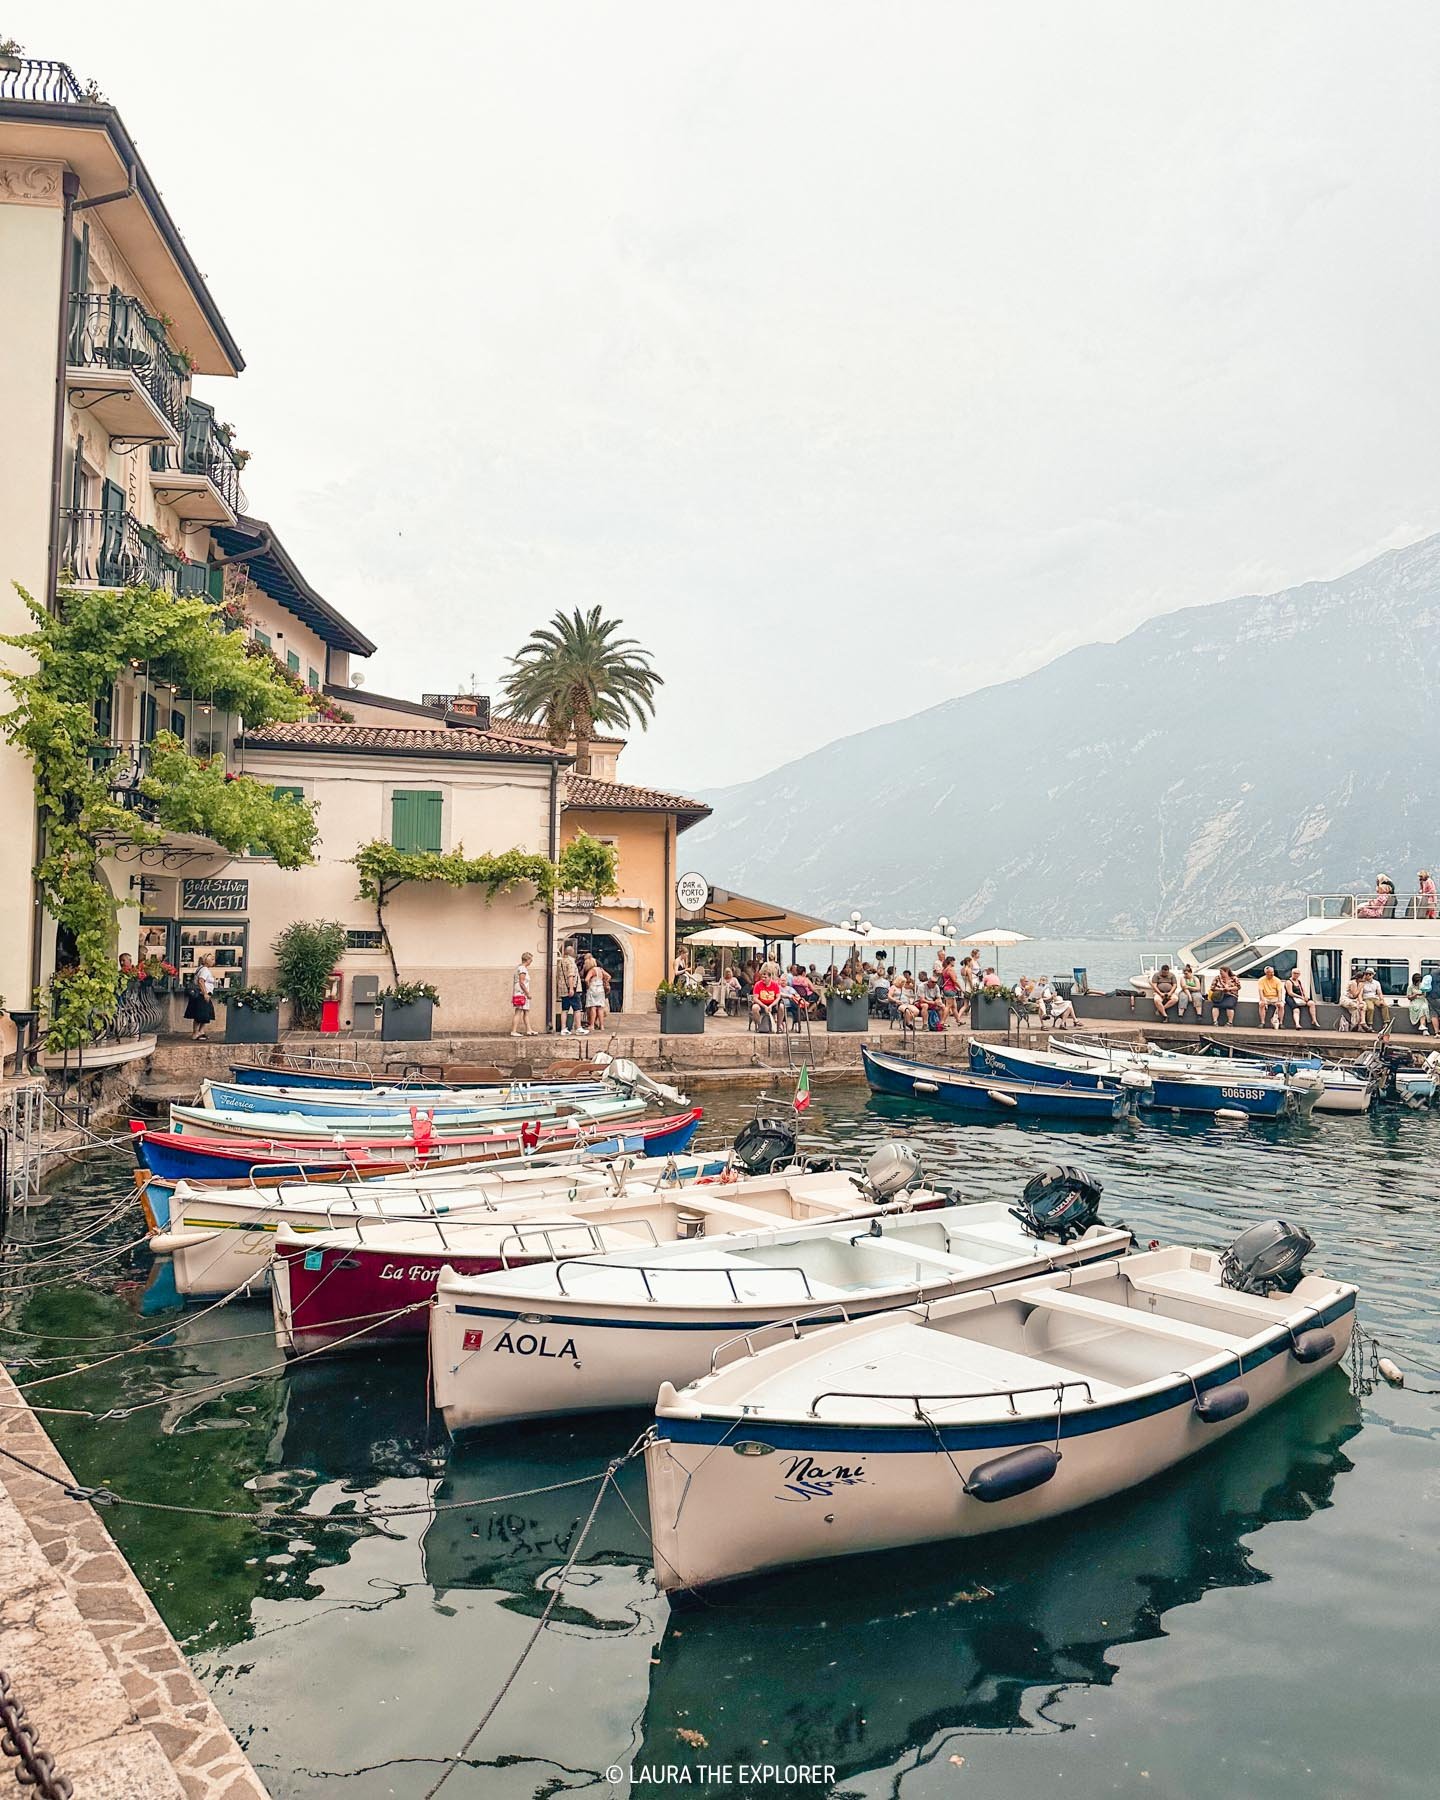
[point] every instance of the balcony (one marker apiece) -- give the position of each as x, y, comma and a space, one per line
120, 370
200, 477
125, 764
113, 550
123, 1036
37, 78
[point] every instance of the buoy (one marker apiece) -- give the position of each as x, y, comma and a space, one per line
924, 1087
1392, 1372
1001, 1099
1232, 1115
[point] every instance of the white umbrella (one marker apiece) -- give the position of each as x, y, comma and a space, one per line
835, 934
728, 937
993, 937
906, 936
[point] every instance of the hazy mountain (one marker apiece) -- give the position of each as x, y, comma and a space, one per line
1216, 763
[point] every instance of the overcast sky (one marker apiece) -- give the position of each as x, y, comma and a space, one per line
856, 355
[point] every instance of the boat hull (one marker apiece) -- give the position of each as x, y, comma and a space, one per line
512, 1100
988, 1096
806, 1492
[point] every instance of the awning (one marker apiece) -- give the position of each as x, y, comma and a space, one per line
766, 918
593, 921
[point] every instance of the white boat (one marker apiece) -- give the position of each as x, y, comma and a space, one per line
385, 1124
1339, 1090
1329, 945
975, 1414
605, 1332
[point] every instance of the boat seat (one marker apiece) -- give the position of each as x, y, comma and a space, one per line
1199, 1287
1129, 1318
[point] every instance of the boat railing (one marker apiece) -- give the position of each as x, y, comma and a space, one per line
595, 1236
317, 1062
921, 1401
684, 1269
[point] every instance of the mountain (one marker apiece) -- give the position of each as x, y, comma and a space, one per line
1217, 763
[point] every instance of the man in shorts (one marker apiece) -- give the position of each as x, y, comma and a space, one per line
567, 986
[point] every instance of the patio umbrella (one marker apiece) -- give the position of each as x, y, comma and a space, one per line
723, 938
993, 938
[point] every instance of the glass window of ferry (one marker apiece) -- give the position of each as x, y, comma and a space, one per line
1282, 961
1393, 973
1227, 945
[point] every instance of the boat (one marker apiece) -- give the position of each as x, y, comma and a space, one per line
605, 1331
1256, 1094
1339, 1090
532, 1099
981, 1412
178, 1156
388, 1126
998, 1096
347, 1286
1333, 940
335, 1075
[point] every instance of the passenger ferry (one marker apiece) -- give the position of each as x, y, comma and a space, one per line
1330, 944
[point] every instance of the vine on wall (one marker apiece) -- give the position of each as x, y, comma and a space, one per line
383, 869
77, 653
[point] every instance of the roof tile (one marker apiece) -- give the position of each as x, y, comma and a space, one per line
587, 794
437, 740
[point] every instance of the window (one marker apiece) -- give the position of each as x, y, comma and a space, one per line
364, 940
1282, 961
313, 680
415, 818
177, 725
292, 662
147, 719
1393, 973
262, 638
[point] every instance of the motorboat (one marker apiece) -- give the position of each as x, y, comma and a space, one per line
605, 1331
335, 1075
1255, 1094
530, 1098
176, 1156
980, 1412
372, 1282
997, 1096
1340, 1090
396, 1122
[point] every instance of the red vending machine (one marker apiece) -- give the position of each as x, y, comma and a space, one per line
330, 1005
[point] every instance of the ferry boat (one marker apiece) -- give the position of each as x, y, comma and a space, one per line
1329, 945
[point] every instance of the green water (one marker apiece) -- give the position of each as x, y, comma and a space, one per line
1261, 1622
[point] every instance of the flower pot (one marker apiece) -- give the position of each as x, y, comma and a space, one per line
244, 1025
847, 1015
407, 1024
682, 1017
987, 1014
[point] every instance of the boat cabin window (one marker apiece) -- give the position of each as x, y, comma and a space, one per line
1282, 961
1222, 946
1393, 973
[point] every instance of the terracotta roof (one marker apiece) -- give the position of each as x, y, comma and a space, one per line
393, 740
584, 793
522, 728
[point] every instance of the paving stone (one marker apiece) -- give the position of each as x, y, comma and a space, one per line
128, 1768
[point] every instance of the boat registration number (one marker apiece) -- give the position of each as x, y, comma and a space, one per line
1238, 1093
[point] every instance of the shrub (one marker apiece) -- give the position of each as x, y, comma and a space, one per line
305, 953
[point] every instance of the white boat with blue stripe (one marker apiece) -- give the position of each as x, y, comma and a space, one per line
979, 1413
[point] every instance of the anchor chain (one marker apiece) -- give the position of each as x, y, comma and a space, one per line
19, 1738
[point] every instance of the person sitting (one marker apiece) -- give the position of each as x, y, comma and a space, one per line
1297, 997
1352, 1003
1272, 997
765, 998
1224, 996
905, 1002
733, 990
1372, 997
933, 1003
1164, 991
1056, 1006
1417, 1004
1192, 992
1381, 904
990, 979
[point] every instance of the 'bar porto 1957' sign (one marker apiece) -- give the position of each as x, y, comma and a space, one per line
214, 894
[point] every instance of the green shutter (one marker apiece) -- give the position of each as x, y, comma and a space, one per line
288, 793
313, 680
262, 638
415, 819
292, 662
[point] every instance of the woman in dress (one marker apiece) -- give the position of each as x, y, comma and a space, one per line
520, 996
597, 985
1297, 997
200, 1007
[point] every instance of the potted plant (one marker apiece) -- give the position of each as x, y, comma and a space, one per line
682, 1008
307, 953
408, 1012
990, 1009
252, 1015
11, 55
847, 1006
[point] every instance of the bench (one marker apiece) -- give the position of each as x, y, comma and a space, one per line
1129, 1318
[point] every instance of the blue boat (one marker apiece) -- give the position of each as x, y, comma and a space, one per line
261, 1075
1036, 1066
1257, 1093
999, 1096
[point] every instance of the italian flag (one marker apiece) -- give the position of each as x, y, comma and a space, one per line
802, 1090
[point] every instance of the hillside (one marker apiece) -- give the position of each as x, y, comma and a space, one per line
1216, 763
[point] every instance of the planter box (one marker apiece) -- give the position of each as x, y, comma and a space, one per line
410, 1024
243, 1025
989, 1015
682, 1017
847, 1015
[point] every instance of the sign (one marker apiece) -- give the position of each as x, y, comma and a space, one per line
214, 894
693, 892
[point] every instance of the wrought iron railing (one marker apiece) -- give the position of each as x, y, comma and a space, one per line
114, 331
39, 79
205, 451
109, 549
124, 765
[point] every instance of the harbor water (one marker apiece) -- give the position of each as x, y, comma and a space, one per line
1260, 1623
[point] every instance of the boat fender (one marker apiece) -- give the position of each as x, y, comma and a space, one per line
924, 1087
1222, 1403
1001, 1099
1004, 1477
1392, 1372
166, 1243
1232, 1115
1310, 1346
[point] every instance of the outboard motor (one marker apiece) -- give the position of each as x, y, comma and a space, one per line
765, 1143
893, 1168
1060, 1202
1268, 1255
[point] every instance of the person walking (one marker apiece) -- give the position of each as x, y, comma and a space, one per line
597, 989
520, 996
567, 986
200, 1008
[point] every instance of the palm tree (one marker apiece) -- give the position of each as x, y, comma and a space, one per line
576, 674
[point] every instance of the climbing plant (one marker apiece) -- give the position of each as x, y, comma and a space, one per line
383, 869
587, 866
73, 656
